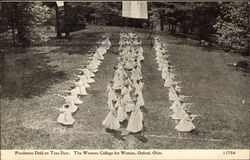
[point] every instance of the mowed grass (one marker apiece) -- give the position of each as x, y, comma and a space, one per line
221, 94
33, 77
31, 80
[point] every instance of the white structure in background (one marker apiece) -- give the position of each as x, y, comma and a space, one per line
135, 9
60, 3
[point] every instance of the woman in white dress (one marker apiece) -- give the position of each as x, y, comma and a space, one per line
72, 107
126, 98
98, 54
173, 96
135, 123
81, 80
93, 65
130, 64
111, 121
118, 79
138, 91
73, 99
121, 112
164, 73
140, 54
176, 104
127, 80
82, 87
168, 82
179, 112
110, 92
186, 124
86, 71
88, 75
136, 74
65, 117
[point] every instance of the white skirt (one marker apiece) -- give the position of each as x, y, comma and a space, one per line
65, 119
111, 121
135, 121
185, 126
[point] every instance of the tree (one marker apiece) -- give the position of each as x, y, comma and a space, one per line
21, 17
233, 27
18, 18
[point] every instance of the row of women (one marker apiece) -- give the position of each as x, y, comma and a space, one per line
84, 77
124, 93
180, 114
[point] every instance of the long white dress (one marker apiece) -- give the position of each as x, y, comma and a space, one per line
111, 120
135, 123
83, 81
93, 65
75, 91
111, 94
73, 99
175, 105
140, 54
138, 90
65, 117
179, 113
87, 71
118, 80
88, 75
168, 82
130, 64
121, 112
173, 96
72, 107
82, 88
97, 62
98, 54
126, 99
185, 124
136, 75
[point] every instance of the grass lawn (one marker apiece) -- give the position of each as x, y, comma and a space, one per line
31, 78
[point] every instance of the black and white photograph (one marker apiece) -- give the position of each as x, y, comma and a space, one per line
125, 75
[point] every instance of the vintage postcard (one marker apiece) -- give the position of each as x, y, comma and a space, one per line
124, 80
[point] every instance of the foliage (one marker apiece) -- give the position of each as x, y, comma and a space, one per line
232, 26
101, 12
21, 17
18, 18
41, 13
187, 17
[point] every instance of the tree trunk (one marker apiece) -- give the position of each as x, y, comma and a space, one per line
58, 29
162, 23
13, 34
66, 20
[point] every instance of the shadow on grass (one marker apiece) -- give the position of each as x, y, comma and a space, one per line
140, 136
116, 134
28, 75
79, 43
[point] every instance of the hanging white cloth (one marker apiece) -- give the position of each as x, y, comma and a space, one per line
60, 3
135, 9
